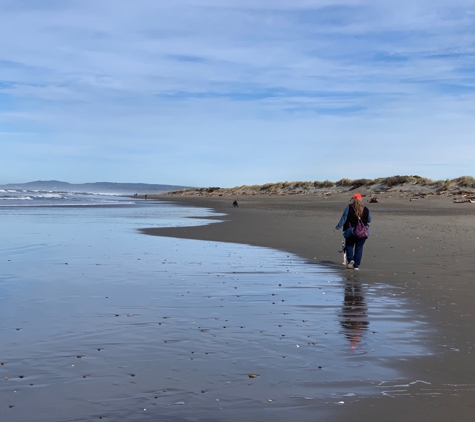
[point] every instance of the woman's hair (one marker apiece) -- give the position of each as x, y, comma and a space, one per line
358, 208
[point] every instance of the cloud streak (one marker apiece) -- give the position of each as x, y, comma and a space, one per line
257, 86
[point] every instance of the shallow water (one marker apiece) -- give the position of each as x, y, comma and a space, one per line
101, 321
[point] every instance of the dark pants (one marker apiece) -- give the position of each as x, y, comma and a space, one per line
354, 250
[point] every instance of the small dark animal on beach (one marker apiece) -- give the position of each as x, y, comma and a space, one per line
343, 250
235, 203
374, 200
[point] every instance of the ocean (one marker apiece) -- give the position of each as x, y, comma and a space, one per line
102, 322
42, 198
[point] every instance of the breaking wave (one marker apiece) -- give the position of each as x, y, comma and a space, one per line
39, 198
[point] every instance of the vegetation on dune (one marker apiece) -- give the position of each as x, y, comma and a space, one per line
465, 181
300, 187
344, 182
360, 182
324, 184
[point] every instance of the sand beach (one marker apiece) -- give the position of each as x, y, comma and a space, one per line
422, 247
185, 308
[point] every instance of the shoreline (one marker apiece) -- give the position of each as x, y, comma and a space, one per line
422, 247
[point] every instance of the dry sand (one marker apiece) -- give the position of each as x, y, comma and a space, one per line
425, 247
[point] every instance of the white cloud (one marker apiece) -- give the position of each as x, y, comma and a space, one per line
262, 86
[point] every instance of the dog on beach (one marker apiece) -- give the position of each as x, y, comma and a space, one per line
235, 203
343, 251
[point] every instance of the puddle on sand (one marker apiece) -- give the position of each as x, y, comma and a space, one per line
177, 327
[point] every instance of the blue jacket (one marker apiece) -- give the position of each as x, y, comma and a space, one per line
344, 217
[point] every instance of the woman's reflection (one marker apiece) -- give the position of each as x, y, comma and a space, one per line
354, 316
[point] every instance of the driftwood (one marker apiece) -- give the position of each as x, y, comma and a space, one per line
464, 193
421, 195
464, 200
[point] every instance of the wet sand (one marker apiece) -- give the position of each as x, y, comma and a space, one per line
100, 321
423, 247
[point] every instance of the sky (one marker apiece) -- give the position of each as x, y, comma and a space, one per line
232, 92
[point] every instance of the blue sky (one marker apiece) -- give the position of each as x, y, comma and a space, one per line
233, 92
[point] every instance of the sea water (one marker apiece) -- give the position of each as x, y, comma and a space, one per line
100, 321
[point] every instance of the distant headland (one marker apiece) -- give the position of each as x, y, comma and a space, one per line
96, 187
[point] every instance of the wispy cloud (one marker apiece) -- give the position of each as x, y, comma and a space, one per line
273, 89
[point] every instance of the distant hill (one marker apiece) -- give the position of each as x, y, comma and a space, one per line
97, 187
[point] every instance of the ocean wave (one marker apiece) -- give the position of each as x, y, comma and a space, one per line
20, 198
50, 195
46, 198
79, 204
105, 194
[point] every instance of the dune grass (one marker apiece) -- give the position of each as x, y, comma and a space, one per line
315, 186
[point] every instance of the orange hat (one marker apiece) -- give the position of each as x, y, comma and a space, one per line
357, 196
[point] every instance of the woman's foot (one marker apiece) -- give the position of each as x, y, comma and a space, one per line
350, 265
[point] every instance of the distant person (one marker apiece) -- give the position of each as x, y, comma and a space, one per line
145, 196
235, 203
355, 222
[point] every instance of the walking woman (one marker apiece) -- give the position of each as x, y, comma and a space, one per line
353, 213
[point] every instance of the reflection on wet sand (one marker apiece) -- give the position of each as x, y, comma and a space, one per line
101, 322
354, 314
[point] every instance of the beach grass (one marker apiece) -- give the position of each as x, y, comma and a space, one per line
408, 182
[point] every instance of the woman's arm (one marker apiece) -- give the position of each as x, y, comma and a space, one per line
343, 218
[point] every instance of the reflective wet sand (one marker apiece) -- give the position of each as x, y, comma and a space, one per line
102, 322
422, 249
